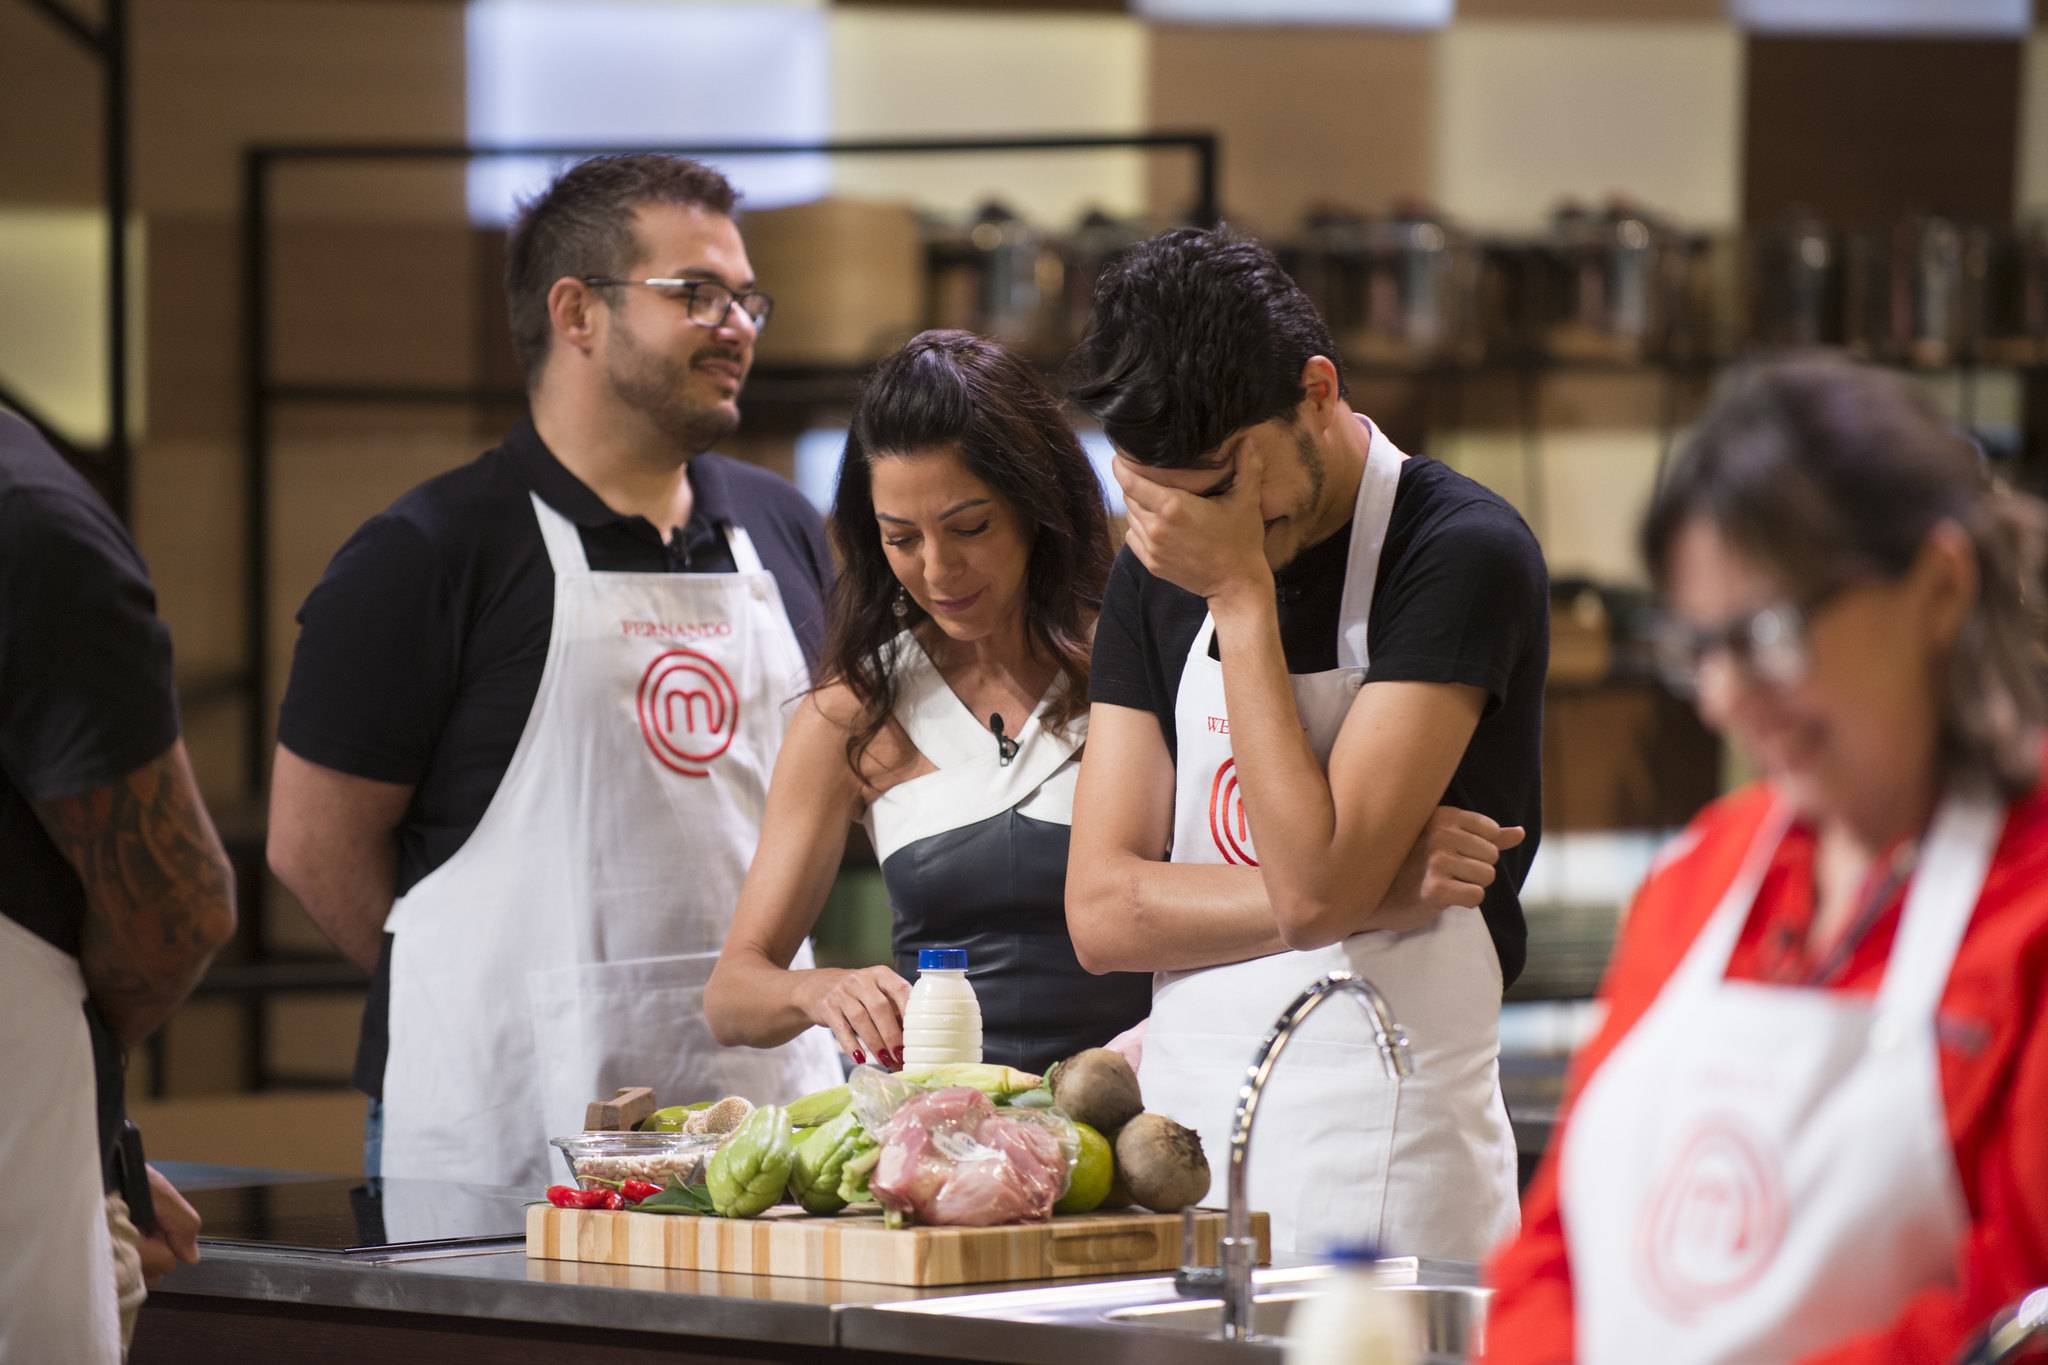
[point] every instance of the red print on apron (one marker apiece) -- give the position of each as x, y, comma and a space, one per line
1716, 1220
1229, 826
689, 710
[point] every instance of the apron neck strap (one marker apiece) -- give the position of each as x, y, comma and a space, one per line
1707, 963
744, 557
1946, 885
1377, 483
564, 541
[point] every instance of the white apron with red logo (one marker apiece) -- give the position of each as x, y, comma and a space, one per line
1340, 1154
562, 952
1756, 1172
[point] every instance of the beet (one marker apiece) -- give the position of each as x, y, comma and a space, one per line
1161, 1163
1098, 1088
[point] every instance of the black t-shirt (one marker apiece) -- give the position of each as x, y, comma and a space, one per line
1461, 597
421, 649
85, 670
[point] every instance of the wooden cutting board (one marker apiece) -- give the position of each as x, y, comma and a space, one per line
787, 1241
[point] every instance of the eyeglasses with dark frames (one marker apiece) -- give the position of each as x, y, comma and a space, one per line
707, 302
1769, 644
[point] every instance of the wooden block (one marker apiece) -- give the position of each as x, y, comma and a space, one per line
788, 1242
622, 1112
1252, 86
848, 276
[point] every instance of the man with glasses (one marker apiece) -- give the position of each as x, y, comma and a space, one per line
525, 748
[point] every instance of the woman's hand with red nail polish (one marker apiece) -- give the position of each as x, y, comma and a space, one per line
863, 1008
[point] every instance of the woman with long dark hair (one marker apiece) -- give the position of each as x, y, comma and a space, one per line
949, 717
1814, 1124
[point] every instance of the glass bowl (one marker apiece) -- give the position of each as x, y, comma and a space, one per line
652, 1157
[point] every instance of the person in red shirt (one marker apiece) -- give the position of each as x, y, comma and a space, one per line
1813, 1125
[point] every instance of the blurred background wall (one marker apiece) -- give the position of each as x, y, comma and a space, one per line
1716, 122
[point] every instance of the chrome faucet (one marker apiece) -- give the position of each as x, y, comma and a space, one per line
2012, 1328
1240, 1249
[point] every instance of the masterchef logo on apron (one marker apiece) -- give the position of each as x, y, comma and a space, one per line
689, 710
1715, 1220
1229, 826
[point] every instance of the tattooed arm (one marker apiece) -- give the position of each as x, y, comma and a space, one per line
159, 891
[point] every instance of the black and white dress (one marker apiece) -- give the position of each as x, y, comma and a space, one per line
974, 856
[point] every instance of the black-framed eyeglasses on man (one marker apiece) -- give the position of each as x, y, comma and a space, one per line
707, 301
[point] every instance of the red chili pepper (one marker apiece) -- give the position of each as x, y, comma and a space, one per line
569, 1197
637, 1190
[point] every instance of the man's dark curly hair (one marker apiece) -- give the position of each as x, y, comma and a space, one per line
1196, 335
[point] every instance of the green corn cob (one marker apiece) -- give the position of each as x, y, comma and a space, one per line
997, 1082
819, 1108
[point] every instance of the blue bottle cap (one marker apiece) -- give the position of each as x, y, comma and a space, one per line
942, 959
1354, 1253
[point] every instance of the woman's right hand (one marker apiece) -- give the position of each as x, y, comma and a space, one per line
1452, 862
863, 1007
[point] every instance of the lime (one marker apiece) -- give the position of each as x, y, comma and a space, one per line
1094, 1168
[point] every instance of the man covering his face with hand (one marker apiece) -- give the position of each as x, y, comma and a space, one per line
1313, 746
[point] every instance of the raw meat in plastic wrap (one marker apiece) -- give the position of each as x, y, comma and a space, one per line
951, 1160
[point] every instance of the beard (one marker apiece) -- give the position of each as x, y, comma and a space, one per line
658, 386
1312, 466
1303, 515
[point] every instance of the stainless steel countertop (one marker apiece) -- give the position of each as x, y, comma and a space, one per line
504, 1285
500, 1282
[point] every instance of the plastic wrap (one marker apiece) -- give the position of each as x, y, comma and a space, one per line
951, 1158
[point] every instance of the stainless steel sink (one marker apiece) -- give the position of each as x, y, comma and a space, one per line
1093, 1302
1452, 1318
1144, 1320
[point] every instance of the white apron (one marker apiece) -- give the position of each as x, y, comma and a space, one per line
1340, 1153
57, 1275
562, 952
1756, 1172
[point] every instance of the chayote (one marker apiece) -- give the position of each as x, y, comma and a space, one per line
749, 1173
821, 1160
853, 1176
